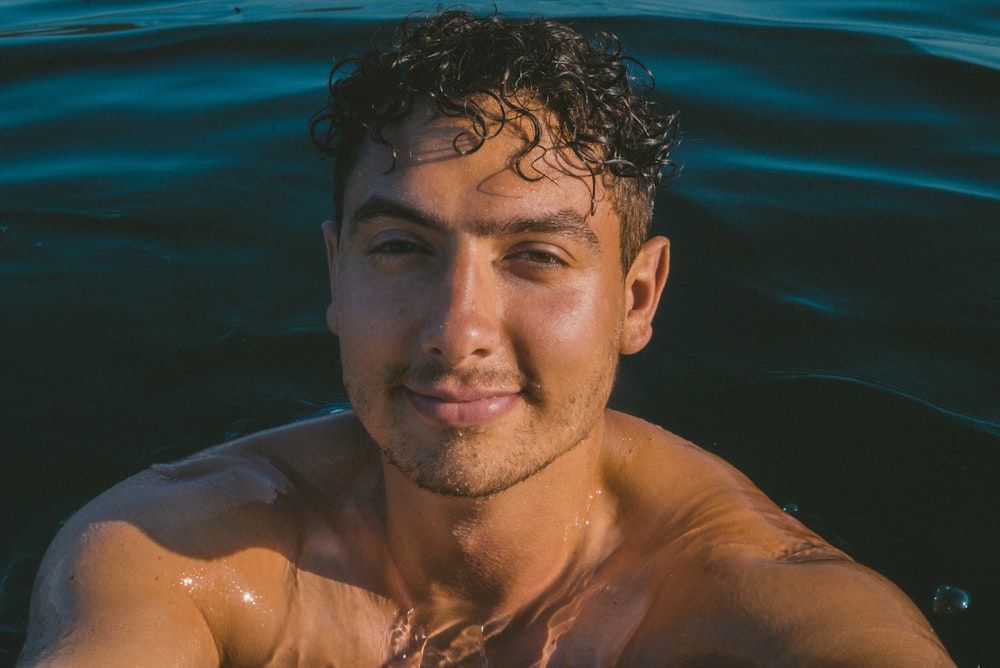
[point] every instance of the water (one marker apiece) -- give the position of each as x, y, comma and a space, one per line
830, 324
950, 600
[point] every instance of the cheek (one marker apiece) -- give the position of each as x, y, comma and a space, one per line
369, 310
571, 330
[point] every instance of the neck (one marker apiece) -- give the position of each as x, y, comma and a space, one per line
485, 558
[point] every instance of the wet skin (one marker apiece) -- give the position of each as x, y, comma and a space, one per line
480, 315
482, 503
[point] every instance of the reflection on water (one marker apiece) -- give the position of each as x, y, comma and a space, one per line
86, 29
466, 647
406, 643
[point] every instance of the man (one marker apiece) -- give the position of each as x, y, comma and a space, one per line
481, 505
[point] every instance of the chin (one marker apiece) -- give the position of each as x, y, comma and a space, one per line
460, 471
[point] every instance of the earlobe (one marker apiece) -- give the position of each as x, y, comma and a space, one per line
330, 237
643, 288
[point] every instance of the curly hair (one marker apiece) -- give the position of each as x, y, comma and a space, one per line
487, 69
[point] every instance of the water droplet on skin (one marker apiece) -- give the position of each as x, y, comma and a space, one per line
406, 643
950, 600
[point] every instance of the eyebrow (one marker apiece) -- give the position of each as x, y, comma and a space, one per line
561, 222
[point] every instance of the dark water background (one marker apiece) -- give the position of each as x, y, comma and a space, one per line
831, 324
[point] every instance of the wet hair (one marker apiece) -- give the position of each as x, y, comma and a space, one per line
490, 69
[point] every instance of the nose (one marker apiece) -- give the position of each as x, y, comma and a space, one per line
463, 323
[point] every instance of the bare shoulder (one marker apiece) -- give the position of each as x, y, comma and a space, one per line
666, 480
173, 560
736, 578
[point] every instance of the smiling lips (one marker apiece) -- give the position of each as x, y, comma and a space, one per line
462, 409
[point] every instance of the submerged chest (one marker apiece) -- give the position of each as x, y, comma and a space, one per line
337, 623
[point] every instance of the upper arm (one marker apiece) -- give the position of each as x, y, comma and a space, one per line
824, 613
848, 615
169, 568
105, 597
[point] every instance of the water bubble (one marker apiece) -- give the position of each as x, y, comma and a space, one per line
950, 600
791, 508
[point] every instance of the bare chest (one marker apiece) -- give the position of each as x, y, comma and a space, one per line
338, 623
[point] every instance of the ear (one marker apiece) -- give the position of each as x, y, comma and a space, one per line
330, 236
643, 287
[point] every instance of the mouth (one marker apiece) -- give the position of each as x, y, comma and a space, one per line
462, 408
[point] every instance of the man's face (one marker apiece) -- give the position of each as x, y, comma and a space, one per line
480, 314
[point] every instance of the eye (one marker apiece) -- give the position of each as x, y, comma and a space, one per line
538, 256
396, 247
393, 251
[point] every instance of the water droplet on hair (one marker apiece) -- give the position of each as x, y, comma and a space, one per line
950, 600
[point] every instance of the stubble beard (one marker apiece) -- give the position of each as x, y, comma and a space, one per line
478, 462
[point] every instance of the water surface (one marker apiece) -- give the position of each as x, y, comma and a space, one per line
830, 326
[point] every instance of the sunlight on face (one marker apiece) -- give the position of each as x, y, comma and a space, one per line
479, 312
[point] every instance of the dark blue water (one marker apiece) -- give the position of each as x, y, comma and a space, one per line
831, 324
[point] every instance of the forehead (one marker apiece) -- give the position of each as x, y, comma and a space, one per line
440, 162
